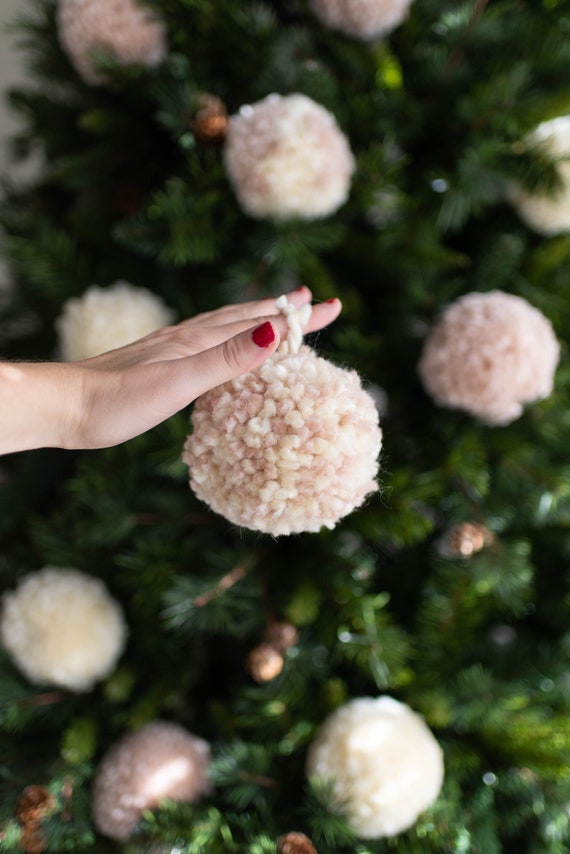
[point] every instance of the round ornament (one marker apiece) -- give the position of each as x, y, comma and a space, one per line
126, 29
210, 123
362, 19
103, 319
295, 843
548, 213
287, 158
264, 663
62, 628
160, 761
290, 447
490, 354
384, 763
465, 539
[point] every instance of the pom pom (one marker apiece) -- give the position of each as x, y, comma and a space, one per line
62, 628
126, 29
158, 762
384, 762
548, 213
363, 19
489, 355
290, 447
286, 157
103, 319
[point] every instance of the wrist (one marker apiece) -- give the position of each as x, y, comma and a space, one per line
40, 404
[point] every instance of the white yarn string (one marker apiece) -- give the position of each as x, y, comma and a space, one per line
297, 319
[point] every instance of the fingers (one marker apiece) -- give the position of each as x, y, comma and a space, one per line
248, 310
229, 359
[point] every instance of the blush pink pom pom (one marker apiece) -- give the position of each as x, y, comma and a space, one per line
489, 355
290, 447
364, 19
286, 157
124, 28
160, 761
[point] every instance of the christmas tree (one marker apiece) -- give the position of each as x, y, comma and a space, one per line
398, 681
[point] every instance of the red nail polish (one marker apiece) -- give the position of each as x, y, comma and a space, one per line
333, 299
263, 335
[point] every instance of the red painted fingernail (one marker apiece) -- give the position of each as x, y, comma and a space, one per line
333, 299
263, 335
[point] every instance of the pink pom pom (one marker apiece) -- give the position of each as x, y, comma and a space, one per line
160, 761
489, 355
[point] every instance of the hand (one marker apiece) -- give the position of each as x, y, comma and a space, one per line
108, 399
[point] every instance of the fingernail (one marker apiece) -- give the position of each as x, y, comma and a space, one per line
333, 299
263, 335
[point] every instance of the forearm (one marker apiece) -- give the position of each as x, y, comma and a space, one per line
39, 405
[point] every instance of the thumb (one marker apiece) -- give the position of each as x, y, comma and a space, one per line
233, 357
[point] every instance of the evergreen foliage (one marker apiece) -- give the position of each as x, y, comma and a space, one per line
480, 646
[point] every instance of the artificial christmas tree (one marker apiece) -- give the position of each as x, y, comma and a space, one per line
446, 592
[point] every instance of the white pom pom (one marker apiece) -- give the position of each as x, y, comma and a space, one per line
160, 761
363, 19
62, 628
126, 29
384, 762
548, 214
103, 319
286, 157
490, 354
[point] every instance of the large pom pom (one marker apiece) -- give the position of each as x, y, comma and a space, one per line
62, 628
103, 319
489, 355
126, 29
290, 447
548, 213
384, 762
286, 157
363, 19
160, 761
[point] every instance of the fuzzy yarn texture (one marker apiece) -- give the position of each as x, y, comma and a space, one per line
363, 19
103, 319
290, 447
62, 628
548, 213
286, 157
490, 354
384, 762
126, 29
160, 761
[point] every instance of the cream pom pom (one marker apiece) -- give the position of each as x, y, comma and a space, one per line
490, 354
160, 761
548, 214
62, 628
384, 762
286, 157
290, 447
106, 318
126, 29
364, 19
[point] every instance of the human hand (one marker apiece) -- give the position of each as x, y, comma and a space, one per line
108, 399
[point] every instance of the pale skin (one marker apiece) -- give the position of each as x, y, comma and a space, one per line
108, 399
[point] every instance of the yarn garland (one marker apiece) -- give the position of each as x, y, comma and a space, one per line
288, 448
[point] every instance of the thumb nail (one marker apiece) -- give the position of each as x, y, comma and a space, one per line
264, 335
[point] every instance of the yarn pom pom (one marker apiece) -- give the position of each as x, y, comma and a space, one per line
290, 447
489, 355
385, 765
126, 29
103, 319
548, 213
363, 19
286, 157
158, 762
62, 628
